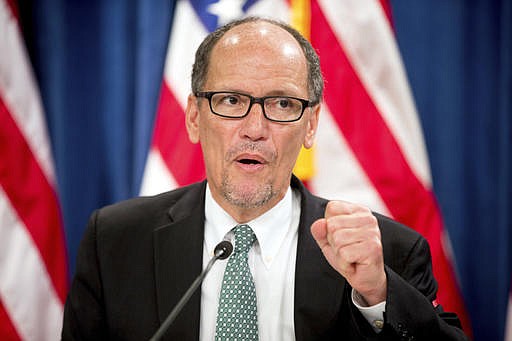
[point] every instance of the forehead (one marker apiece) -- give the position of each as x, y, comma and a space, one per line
259, 33
258, 47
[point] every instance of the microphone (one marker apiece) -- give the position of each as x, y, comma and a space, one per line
222, 251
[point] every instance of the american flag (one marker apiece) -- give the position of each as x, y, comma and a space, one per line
33, 269
369, 147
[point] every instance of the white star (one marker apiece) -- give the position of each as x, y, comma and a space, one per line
227, 10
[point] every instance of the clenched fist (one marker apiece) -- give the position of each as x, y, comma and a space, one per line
349, 238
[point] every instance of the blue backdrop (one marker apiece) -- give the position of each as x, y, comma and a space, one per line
99, 65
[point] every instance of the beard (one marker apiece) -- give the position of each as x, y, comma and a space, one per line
247, 195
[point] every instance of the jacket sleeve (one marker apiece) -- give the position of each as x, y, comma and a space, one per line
410, 313
84, 316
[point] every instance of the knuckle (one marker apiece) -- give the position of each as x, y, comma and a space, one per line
343, 254
341, 207
349, 255
332, 225
339, 237
368, 219
375, 246
333, 207
373, 220
364, 220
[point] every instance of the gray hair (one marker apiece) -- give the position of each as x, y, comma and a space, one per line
201, 64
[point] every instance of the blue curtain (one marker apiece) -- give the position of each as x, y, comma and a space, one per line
99, 65
458, 56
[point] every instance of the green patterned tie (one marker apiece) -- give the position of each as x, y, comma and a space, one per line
237, 317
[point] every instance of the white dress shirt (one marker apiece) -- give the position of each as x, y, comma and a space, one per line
272, 264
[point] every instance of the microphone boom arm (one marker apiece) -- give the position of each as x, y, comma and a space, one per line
222, 251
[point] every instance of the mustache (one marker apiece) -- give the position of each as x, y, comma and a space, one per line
251, 147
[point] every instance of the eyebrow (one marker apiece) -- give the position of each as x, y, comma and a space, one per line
271, 93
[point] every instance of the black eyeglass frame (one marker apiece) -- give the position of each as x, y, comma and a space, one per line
260, 100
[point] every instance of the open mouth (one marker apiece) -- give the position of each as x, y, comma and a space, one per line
249, 161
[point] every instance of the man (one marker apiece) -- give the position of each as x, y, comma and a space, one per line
313, 270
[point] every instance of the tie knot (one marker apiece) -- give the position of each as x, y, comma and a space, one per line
244, 238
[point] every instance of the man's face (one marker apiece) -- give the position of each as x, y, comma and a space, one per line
249, 160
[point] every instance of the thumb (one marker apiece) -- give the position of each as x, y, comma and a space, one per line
319, 231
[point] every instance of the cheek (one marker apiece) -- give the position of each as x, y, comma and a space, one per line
290, 146
215, 141
211, 144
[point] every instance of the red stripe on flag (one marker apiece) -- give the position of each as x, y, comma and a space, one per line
33, 198
183, 158
386, 6
13, 5
380, 156
7, 330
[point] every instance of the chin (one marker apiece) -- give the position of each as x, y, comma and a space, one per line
247, 195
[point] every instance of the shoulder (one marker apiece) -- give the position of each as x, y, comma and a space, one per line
148, 211
394, 232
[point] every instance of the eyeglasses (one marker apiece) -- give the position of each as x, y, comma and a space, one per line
236, 105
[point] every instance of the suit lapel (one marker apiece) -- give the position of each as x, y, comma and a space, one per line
318, 287
178, 257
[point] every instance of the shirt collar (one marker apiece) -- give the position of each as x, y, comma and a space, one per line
270, 228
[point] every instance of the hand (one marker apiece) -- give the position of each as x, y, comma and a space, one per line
350, 240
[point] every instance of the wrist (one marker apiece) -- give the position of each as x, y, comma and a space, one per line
375, 296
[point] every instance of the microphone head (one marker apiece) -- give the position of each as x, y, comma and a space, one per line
223, 249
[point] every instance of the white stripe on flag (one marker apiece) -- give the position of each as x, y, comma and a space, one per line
338, 173
25, 287
369, 42
159, 178
186, 35
19, 92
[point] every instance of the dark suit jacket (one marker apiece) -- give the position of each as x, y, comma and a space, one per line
138, 257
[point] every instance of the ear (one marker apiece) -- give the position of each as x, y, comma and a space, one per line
192, 119
311, 126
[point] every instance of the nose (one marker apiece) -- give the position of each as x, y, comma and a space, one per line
254, 126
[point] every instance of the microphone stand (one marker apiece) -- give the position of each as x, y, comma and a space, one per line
222, 251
